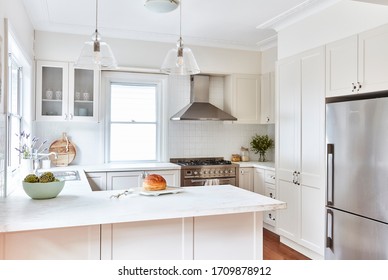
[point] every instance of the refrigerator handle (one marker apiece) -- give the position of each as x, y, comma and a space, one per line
329, 228
330, 174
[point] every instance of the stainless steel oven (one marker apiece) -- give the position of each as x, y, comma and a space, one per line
207, 171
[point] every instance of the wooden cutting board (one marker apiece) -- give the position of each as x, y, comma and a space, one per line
65, 150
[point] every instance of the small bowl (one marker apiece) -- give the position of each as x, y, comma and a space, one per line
43, 190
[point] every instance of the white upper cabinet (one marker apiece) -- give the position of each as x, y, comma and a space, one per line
242, 97
373, 58
66, 93
267, 111
357, 64
341, 67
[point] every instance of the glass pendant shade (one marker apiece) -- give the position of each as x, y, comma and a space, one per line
161, 6
96, 54
180, 61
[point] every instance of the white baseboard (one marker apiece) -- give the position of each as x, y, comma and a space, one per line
303, 250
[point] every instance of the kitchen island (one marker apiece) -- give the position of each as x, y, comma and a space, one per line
217, 222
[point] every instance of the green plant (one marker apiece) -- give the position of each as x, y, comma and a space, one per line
260, 144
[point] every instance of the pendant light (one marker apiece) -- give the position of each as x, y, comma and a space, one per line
96, 53
180, 60
161, 6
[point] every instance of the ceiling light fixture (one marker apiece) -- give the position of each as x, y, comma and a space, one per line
180, 60
96, 53
161, 6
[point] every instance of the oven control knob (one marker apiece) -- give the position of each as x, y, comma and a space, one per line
205, 172
195, 172
221, 171
211, 171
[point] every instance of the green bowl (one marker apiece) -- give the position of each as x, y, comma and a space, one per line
43, 190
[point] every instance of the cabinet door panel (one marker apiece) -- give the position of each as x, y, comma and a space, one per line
73, 243
312, 217
373, 55
97, 180
289, 218
258, 181
341, 66
246, 178
288, 113
313, 119
123, 180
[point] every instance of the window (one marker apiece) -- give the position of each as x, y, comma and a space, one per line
135, 122
14, 110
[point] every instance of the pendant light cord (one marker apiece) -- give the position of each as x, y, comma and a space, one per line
180, 19
96, 14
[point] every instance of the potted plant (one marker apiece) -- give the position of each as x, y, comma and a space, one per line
260, 144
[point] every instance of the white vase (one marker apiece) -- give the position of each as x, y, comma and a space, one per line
26, 167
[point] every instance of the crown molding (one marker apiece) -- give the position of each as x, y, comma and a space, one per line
297, 13
268, 43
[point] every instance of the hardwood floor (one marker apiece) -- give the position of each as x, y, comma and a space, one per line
274, 250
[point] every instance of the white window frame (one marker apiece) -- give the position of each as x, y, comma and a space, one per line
160, 81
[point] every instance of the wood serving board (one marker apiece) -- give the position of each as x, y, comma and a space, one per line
65, 150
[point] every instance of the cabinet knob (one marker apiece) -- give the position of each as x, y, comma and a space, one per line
267, 119
359, 86
354, 87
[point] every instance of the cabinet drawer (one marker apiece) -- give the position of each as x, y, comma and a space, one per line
270, 218
270, 192
269, 176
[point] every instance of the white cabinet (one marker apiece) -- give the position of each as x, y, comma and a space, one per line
245, 178
300, 149
259, 181
72, 243
219, 237
270, 191
97, 180
66, 93
131, 179
354, 64
242, 97
267, 110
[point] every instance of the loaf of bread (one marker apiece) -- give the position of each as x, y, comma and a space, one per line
154, 182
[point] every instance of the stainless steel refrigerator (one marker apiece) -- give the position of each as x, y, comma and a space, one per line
357, 177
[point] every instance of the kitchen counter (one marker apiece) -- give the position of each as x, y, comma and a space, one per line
79, 208
264, 165
130, 167
214, 222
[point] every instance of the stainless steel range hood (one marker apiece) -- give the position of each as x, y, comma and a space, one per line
199, 108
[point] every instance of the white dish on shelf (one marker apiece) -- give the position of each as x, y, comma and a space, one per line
168, 190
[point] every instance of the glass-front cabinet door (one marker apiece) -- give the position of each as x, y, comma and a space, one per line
51, 90
66, 93
83, 94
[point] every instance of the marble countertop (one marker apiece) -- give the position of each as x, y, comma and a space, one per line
130, 167
265, 165
76, 205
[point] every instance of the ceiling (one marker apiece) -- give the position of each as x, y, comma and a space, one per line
237, 24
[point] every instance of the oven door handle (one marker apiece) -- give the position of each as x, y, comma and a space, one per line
198, 181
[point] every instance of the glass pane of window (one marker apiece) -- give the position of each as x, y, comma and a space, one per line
14, 89
133, 103
130, 142
14, 127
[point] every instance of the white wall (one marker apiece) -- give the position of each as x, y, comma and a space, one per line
144, 54
268, 59
186, 139
338, 21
